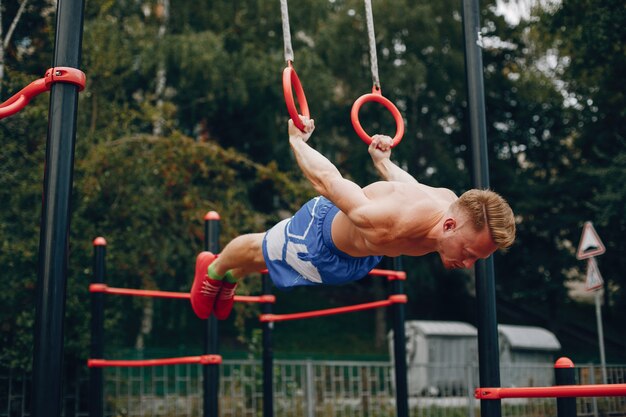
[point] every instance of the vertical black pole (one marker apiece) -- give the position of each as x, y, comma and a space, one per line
564, 374
268, 357
55, 217
96, 377
488, 351
399, 345
211, 377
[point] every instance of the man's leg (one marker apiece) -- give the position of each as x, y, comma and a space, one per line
215, 280
242, 256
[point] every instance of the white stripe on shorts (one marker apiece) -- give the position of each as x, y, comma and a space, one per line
275, 242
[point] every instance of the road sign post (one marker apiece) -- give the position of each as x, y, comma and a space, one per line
590, 244
589, 247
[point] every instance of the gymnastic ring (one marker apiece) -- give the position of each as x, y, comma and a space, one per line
376, 96
291, 78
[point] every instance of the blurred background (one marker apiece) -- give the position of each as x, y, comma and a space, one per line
183, 113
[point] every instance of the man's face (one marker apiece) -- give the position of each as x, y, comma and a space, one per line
462, 246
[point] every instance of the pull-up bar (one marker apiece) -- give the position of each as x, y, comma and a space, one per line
53, 75
393, 299
203, 360
562, 391
103, 288
390, 274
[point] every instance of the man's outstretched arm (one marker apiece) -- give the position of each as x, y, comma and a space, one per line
380, 151
325, 177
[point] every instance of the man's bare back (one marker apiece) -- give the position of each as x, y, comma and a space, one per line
401, 219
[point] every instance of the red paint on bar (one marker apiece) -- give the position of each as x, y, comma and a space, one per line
393, 299
561, 391
212, 215
564, 363
203, 360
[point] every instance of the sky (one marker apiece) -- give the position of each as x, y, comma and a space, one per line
516, 10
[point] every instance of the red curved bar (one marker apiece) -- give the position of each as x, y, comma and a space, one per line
393, 299
562, 391
66, 75
169, 294
57, 74
377, 96
291, 78
23, 97
203, 360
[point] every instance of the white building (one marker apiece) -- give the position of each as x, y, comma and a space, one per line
442, 356
527, 353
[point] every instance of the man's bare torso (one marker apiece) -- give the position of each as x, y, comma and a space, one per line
399, 219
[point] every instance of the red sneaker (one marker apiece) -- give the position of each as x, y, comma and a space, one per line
225, 300
204, 289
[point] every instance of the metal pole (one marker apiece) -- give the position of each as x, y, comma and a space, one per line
564, 374
96, 376
310, 389
211, 377
268, 358
592, 380
488, 351
399, 346
600, 336
55, 217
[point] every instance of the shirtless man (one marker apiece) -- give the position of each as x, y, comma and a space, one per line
343, 234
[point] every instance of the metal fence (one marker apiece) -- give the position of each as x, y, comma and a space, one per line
309, 389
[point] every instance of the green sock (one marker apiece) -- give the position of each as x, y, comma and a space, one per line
213, 274
228, 276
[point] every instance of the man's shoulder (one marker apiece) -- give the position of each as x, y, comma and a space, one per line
438, 193
411, 191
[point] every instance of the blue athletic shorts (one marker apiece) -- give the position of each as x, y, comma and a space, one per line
300, 250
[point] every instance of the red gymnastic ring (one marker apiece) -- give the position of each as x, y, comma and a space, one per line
291, 78
376, 96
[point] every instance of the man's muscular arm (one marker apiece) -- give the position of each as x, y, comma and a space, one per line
325, 177
380, 151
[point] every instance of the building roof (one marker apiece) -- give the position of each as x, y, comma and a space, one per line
518, 337
443, 328
529, 337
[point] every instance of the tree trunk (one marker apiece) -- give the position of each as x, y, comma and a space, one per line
146, 323
6, 39
163, 12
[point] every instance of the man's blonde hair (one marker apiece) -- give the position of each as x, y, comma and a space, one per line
486, 206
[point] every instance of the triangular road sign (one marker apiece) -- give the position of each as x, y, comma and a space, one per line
590, 243
594, 279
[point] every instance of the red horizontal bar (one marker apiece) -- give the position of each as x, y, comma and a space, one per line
203, 360
169, 294
390, 274
602, 390
393, 299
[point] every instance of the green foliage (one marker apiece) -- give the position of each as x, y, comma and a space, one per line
589, 36
556, 148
